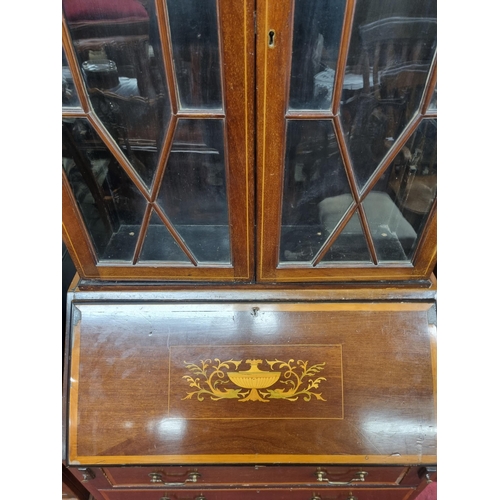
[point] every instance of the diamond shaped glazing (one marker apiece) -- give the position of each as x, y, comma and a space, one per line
314, 176
110, 205
118, 49
390, 54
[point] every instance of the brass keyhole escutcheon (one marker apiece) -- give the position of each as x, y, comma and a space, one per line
272, 38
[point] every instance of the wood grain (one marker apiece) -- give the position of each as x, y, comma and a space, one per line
218, 475
122, 398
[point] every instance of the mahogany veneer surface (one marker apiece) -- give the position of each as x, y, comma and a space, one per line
163, 383
255, 475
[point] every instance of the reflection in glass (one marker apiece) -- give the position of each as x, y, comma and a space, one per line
433, 104
390, 53
313, 171
194, 32
193, 193
413, 188
109, 203
316, 38
118, 48
69, 95
159, 245
350, 245
396, 217
392, 234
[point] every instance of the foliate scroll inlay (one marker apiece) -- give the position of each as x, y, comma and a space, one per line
286, 380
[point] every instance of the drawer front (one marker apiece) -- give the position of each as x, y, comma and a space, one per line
68, 493
267, 494
262, 475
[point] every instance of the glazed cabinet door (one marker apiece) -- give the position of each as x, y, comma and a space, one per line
157, 128
346, 144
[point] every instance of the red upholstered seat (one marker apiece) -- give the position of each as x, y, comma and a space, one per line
99, 10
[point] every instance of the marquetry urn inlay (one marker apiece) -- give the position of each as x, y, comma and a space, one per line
288, 380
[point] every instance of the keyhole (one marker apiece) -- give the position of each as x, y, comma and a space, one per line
271, 38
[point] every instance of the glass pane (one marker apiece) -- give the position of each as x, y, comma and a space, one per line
412, 190
313, 172
110, 205
392, 234
390, 53
316, 38
118, 48
69, 95
350, 245
433, 104
195, 41
194, 194
159, 244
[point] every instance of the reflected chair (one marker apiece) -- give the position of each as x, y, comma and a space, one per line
394, 64
396, 53
384, 219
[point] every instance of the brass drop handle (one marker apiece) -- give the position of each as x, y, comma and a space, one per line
193, 478
352, 497
87, 474
360, 477
157, 478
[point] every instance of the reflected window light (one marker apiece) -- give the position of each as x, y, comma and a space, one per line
172, 428
378, 424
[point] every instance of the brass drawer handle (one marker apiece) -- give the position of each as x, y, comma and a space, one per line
360, 477
157, 478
